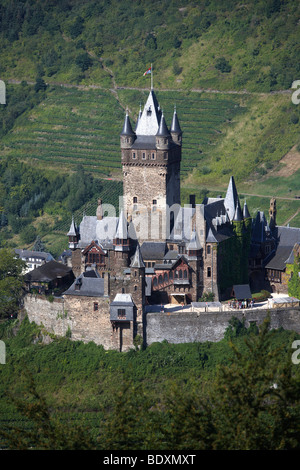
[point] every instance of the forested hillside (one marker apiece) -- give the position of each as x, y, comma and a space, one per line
241, 393
211, 44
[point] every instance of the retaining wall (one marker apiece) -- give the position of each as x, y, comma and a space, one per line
188, 327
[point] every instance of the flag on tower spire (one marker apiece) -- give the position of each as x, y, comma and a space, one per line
150, 71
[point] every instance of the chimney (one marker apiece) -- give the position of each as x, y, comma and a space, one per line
106, 284
99, 212
193, 200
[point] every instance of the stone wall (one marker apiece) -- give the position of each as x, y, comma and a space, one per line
51, 315
77, 315
85, 324
183, 327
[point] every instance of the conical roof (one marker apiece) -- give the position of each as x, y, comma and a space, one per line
122, 227
175, 127
148, 122
194, 243
238, 216
127, 128
137, 260
210, 237
163, 130
246, 212
231, 199
73, 230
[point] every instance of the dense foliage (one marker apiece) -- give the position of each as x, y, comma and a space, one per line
26, 192
294, 282
182, 38
11, 283
240, 393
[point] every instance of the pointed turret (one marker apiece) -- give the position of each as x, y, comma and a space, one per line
72, 231
238, 216
137, 260
194, 246
175, 130
231, 199
73, 235
127, 135
121, 239
246, 213
163, 135
122, 227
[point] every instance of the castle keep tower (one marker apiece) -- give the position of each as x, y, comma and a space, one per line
151, 157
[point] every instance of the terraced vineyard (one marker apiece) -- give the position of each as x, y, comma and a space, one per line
68, 128
82, 126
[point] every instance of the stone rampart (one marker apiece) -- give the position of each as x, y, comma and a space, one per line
188, 327
58, 317
51, 315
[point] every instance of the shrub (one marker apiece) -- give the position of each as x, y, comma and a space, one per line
223, 65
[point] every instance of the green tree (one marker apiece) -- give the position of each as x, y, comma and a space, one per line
44, 431
84, 61
256, 400
11, 281
294, 282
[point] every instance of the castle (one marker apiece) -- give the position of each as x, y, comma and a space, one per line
157, 252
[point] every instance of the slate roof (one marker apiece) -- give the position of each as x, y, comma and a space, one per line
73, 229
175, 127
127, 128
163, 130
279, 258
194, 243
149, 120
137, 260
242, 291
48, 272
287, 237
26, 254
89, 286
231, 198
153, 250
122, 227
144, 142
122, 299
101, 230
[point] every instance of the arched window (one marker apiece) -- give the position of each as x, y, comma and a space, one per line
185, 274
208, 272
134, 200
160, 279
166, 277
171, 275
180, 274
155, 282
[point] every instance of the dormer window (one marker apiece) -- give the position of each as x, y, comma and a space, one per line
149, 112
